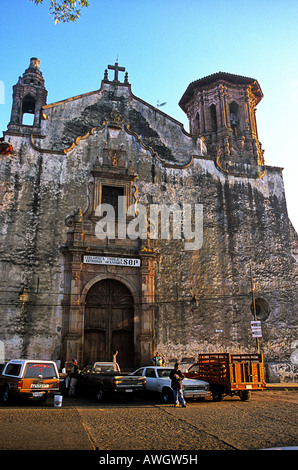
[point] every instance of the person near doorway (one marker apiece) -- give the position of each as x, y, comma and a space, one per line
157, 360
73, 378
176, 377
114, 355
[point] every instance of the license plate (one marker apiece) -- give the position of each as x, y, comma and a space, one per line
129, 390
40, 385
37, 394
249, 387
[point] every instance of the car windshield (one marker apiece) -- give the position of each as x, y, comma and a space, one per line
163, 372
40, 370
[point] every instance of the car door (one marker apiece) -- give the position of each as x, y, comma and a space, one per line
151, 379
84, 379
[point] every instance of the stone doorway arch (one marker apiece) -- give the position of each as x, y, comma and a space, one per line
109, 323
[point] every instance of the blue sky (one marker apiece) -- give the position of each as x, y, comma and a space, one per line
165, 45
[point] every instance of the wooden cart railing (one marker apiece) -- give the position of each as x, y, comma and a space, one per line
230, 374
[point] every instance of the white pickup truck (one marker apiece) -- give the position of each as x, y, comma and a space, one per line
157, 380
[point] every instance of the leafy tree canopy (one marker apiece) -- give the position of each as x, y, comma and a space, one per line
65, 10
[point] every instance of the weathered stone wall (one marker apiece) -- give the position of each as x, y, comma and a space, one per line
32, 230
245, 223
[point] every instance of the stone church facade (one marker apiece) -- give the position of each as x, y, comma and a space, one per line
120, 230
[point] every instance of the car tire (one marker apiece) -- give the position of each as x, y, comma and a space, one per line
4, 395
100, 394
167, 396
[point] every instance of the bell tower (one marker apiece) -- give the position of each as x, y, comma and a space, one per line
29, 95
222, 108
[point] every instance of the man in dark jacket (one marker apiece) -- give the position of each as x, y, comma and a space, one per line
73, 378
176, 377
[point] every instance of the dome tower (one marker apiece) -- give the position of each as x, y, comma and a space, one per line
222, 108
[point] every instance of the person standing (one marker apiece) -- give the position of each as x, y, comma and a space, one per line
176, 377
157, 360
73, 378
114, 356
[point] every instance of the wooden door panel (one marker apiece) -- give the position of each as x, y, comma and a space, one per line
108, 323
95, 318
122, 341
94, 346
122, 318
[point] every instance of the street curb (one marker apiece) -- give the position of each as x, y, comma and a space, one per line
282, 386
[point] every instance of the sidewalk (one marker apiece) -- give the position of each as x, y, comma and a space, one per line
282, 386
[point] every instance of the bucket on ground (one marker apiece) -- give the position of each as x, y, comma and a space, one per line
58, 401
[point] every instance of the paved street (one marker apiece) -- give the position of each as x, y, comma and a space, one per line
269, 419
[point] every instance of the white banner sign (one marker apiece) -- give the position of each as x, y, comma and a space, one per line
132, 262
256, 329
257, 334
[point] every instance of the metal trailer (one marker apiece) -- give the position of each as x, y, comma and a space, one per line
230, 374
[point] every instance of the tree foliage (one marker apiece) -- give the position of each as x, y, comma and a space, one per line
65, 10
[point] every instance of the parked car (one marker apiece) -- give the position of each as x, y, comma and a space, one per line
21, 378
158, 381
104, 379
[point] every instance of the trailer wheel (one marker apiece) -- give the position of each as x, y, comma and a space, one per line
244, 395
217, 394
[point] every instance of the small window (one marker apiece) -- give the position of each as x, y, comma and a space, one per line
198, 123
86, 369
213, 118
139, 372
13, 369
28, 111
99, 369
164, 372
234, 117
110, 195
28, 119
150, 372
262, 308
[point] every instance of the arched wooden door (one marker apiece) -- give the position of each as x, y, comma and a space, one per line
108, 323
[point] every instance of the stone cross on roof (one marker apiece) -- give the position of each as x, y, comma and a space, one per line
117, 69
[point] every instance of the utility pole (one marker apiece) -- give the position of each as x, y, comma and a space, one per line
254, 306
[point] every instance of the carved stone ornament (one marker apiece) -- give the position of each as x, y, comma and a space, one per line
5, 148
116, 120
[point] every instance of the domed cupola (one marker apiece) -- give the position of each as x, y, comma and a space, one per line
222, 108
